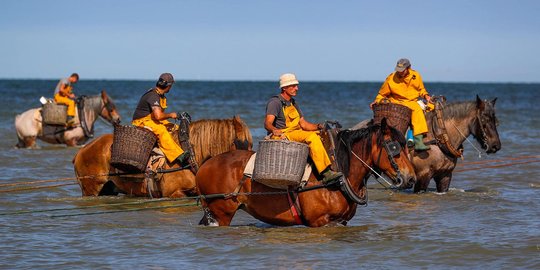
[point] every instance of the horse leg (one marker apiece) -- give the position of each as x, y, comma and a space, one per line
443, 183
421, 185
71, 142
26, 142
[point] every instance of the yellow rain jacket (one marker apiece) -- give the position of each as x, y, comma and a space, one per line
294, 132
165, 140
406, 91
58, 98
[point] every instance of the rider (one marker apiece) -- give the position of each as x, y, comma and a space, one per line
405, 87
150, 113
63, 94
285, 119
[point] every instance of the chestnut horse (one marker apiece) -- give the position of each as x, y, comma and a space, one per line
29, 124
208, 137
320, 205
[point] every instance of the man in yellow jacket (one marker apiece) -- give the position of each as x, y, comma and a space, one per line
63, 94
285, 119
405, 87
150, 113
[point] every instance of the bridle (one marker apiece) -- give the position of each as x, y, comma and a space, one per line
482, 126
393, 149
109, 106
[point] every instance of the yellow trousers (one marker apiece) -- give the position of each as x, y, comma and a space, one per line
67, 101
418, 119
165, 140
316, 148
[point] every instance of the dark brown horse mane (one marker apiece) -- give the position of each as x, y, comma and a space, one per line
346, 138
458, 110
216, 135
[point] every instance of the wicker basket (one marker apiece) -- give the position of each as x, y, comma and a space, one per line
397, 116
280, 163
54, 114
131, 148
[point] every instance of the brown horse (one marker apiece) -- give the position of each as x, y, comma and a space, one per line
462, 119
29, 124
223, 174
208, 137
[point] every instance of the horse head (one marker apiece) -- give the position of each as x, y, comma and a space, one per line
375, 148
390, 156
243, 139
108, 110
484, 129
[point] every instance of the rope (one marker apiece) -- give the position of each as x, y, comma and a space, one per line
21, 212
467, 139
125, 210
38, 182
496, 166
497, 160
369, 167
33, 188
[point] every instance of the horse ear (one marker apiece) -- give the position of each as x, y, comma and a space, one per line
479, 103
237, 122
493, 101
103, 94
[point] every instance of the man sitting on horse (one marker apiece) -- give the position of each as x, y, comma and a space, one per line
150, 113
405, 87
284, 119
63, 94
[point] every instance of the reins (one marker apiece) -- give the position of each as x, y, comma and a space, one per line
390, 185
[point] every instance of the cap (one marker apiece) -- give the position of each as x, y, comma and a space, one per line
287, 79
402, 64
167, 78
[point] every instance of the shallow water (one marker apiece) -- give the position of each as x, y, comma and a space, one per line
488, 219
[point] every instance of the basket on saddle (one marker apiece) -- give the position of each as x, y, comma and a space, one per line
397, 116
54, 114
280, 163
131, 148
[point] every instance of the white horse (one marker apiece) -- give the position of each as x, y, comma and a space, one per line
29, 124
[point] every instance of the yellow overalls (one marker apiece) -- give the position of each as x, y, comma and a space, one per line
65, 100
294, 132
165, 140
406, 92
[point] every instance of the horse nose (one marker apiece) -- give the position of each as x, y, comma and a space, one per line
409, 181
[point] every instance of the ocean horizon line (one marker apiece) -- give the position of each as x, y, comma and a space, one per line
272, 81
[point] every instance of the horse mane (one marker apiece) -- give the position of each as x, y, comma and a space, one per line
347, 138
459, 110
92, 101
217, 135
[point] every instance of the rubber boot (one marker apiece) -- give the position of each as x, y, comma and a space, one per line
419, 143
330, 175
70, 121
410, 140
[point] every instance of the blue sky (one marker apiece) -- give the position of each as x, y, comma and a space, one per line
450, 41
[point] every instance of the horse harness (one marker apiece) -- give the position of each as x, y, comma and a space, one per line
439, 131
57, 131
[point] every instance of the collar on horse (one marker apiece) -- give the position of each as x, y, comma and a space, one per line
440, 133
88, 133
